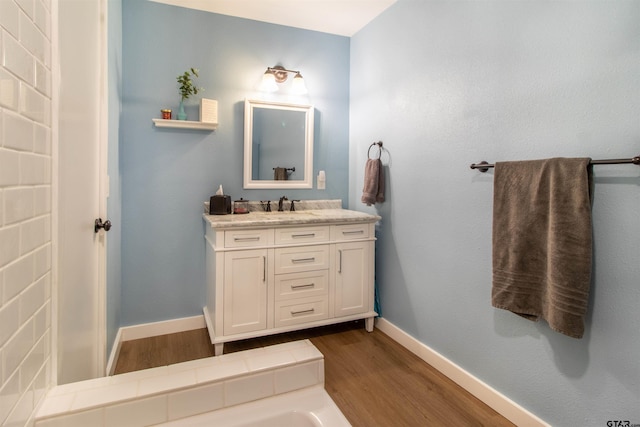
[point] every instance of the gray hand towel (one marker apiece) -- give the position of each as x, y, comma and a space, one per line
280, 174
542, 241
373, 191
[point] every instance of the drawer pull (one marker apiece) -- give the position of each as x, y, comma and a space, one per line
312, 259
297, 313
339, 260
308, 285
295, 236
246, 239
346, 233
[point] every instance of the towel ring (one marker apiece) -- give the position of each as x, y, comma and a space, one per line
379, 144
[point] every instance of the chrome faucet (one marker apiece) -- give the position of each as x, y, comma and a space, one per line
281, 202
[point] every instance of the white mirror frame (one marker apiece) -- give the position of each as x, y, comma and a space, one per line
307, 181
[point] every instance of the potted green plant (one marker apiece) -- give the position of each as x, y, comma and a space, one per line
187, 88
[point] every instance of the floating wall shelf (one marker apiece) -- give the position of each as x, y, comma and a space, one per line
184, 124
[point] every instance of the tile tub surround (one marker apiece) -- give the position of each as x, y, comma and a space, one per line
173, 392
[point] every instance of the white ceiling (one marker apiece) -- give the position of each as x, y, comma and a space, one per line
342, 17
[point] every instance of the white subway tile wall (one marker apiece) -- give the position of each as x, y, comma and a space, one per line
25, 208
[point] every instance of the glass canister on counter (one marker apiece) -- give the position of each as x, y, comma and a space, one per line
241, 206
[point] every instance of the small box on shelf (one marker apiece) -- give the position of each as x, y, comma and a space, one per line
208, 110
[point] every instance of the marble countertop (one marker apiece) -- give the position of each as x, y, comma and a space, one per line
302, 217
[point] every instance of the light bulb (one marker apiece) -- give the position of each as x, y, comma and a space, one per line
298, 87
268, 82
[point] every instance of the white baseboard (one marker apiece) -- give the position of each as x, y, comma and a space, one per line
147, 330
491, 397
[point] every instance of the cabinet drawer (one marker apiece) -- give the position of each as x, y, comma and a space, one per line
301, 258
350, 232
301, 310
287, 236
297, 285
245, 238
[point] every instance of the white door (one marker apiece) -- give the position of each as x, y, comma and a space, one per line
81, 193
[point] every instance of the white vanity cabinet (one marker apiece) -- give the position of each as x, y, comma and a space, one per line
267, 276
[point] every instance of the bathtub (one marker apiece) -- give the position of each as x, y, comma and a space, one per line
309, 407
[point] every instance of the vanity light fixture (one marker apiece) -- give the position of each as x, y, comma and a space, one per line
279, 74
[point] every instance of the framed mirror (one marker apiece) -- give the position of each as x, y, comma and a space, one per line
278, 145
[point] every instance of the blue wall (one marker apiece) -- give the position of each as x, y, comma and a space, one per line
445, 84
166, 175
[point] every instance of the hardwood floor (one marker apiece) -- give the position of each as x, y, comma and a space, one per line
163, 350
373, 380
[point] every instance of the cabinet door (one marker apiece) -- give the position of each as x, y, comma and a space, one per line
353, 278
245, 291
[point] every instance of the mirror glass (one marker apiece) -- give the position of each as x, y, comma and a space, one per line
278, 145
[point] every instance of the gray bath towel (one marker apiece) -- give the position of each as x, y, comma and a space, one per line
373, 191
542, 241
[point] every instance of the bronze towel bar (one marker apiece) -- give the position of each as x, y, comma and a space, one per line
484, 166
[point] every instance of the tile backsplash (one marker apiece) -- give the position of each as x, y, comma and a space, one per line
302, 205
